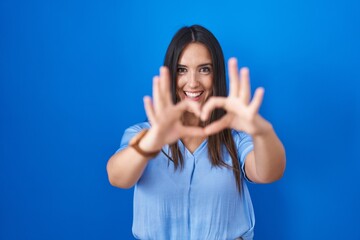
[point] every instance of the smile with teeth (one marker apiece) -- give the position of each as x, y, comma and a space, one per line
193, 94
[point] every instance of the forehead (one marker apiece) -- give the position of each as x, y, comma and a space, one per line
195, 54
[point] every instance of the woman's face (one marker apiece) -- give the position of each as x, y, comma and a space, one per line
195, 73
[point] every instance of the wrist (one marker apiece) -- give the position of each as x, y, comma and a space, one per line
264, 128
142, 144
150, 141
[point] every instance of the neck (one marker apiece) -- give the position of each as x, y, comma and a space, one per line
190, 119
192, 143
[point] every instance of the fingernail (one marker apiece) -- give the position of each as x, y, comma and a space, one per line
244, 70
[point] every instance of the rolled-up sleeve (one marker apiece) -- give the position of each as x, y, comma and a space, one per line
244, 145
130, 133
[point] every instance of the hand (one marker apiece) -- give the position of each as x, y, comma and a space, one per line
241, 113
165, 117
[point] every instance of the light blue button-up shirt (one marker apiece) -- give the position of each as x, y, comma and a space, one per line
198, 202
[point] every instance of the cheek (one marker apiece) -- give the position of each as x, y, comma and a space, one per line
179, 85
179, 82
208, 83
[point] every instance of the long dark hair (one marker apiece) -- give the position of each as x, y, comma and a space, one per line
180, 40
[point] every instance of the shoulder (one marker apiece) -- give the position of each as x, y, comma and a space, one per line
138, 127
240, 136
130, 132
134, 129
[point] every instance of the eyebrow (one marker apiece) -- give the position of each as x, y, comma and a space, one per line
201, 65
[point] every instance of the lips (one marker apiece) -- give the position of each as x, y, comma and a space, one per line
193, 95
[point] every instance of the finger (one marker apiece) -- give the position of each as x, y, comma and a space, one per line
233, 77
245, 91
156, 93
192, 131
210, 105
189, 106
218, 125
165, 85
257, 100
150, 113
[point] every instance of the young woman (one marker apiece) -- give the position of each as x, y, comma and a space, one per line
189, 162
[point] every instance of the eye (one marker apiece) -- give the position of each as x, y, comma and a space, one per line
181, 70
205, 70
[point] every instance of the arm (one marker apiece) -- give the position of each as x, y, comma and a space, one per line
266, 163
125, 167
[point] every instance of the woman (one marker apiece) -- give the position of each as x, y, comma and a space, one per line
190, 161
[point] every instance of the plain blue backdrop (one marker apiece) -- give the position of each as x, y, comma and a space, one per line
73, 74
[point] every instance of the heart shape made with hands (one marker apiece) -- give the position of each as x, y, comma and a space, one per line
242, 112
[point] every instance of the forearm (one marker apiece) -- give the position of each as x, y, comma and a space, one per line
126, 167
269, 155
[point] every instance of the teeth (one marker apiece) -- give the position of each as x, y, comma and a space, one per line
192, 94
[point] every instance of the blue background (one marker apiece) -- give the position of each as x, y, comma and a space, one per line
73, 74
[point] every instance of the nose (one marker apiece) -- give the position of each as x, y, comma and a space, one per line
192, 80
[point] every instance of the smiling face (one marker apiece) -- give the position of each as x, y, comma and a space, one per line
195, 73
